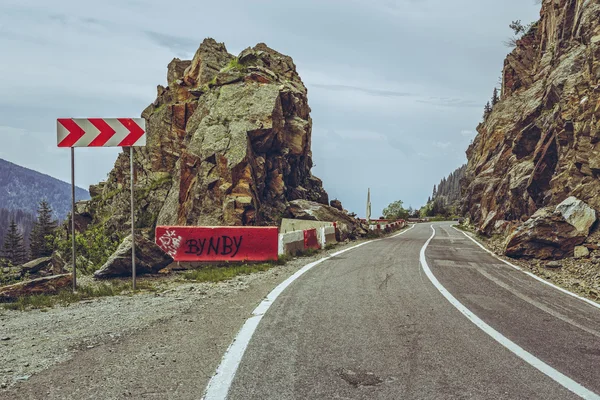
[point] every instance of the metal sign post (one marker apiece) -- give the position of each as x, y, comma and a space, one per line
101, 132
132, 221
73, 217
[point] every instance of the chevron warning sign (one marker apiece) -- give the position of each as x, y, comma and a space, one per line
101, 132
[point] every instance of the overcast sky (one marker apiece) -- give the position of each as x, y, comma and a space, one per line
396, 87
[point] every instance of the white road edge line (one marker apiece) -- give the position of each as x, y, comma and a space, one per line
219, 385
529, 358
534, 276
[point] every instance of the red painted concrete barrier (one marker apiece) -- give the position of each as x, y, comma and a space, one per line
310, 239
231, 243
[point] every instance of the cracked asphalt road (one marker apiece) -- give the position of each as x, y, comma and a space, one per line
368, 324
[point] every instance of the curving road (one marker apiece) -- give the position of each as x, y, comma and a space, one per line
371, 324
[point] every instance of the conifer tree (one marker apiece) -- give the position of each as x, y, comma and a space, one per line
487, 110
42, 236
13, 249
495, 98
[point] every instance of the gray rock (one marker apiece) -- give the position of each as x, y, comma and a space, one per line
149, 259
552, 232
35, 266
46, 285
553, 265
578, 214
581, 252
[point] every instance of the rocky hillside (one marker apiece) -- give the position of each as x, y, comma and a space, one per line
540, 144
229, 143
23, 189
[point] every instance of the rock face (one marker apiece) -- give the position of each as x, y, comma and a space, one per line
229, 143
541, 142
553, 232
46, 285
149, 258
348, 227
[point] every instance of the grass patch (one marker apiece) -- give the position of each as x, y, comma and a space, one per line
306, 253
374, 234
330, 246
66, 296
235, 65
221, 273
283, 259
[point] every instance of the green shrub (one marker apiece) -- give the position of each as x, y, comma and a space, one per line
93, 248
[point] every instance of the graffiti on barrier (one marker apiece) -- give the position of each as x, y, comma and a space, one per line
170, 242
223, 245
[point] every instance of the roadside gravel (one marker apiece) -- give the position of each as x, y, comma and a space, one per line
165, 344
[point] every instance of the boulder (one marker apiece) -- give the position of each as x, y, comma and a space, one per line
581, 252
34, 266
149, 258
347, 226
46, 285
336, 204
578, 214
552, 232
553, 265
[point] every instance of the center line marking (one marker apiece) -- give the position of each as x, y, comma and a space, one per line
529, 358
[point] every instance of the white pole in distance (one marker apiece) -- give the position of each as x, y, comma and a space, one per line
132, 221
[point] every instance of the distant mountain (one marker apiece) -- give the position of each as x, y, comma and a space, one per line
23, 189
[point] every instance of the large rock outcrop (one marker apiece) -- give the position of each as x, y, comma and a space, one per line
229, 143
541, 142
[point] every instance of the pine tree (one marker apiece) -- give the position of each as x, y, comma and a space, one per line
42, 236
495, 98
487, 110
434, 193
13, 249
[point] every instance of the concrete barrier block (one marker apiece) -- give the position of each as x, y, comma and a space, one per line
227, 243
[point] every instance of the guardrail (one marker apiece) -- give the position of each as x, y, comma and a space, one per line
388, 226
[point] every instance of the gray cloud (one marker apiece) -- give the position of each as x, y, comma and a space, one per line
180, 46
372, 92
450, 102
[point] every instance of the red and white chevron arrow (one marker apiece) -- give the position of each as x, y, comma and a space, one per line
101, 132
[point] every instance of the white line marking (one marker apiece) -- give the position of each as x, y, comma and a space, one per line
219, 384
534, 276
536, 303
529, 358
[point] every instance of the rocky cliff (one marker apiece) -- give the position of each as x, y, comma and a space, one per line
229, 143
541, 142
